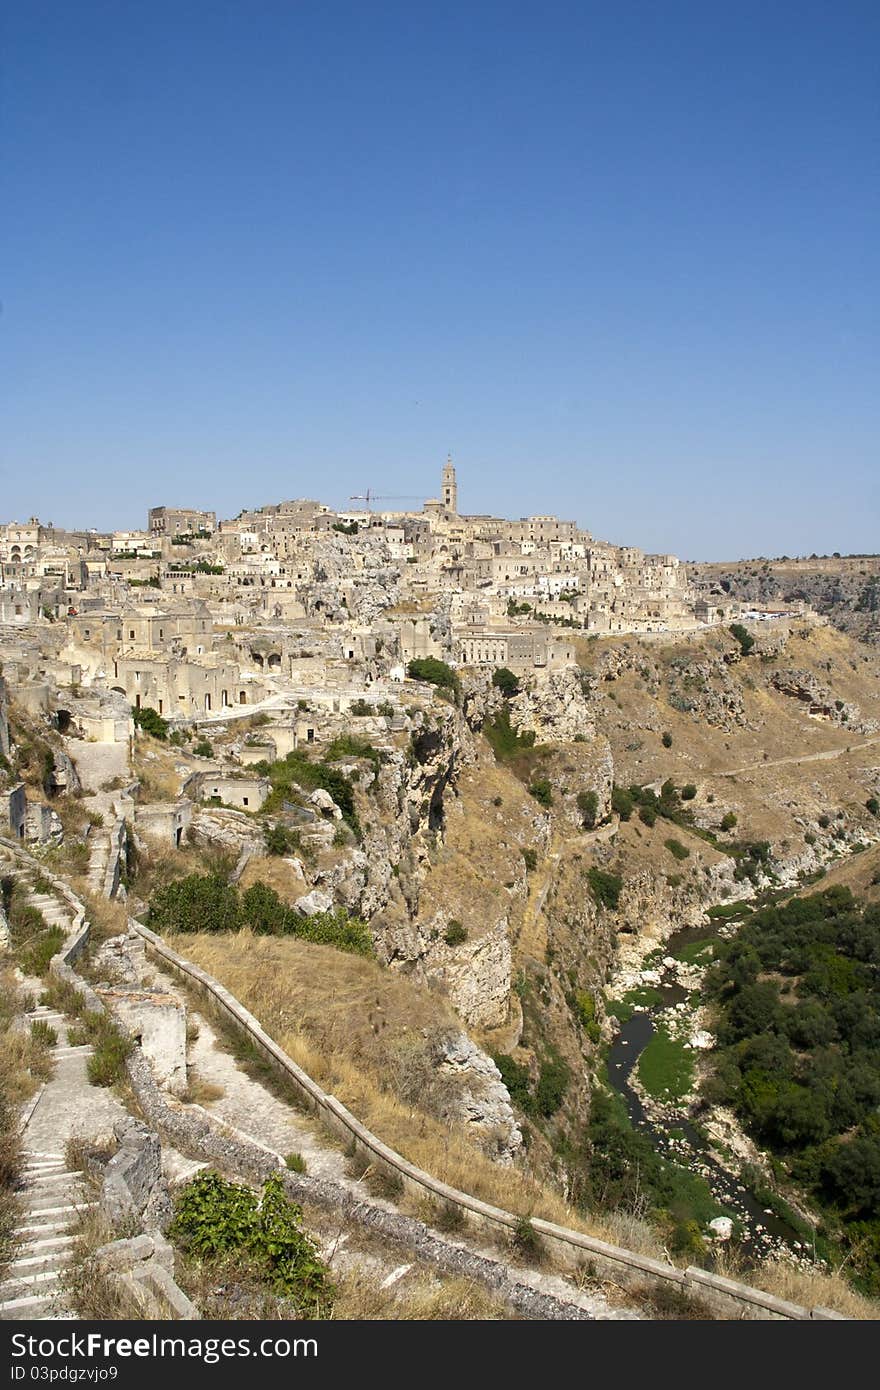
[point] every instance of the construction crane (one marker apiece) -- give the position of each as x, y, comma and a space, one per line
370, 496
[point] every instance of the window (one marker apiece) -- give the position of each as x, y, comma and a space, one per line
131, 634
244, 801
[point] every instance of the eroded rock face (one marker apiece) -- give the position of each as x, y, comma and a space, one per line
481, 1098
555, 708
477, 975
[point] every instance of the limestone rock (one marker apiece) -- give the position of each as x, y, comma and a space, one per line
482, 1098
310, 904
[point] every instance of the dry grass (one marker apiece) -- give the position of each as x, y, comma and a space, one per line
201, 1092
360, 1298
87, 1287
330, 1013
812, 1288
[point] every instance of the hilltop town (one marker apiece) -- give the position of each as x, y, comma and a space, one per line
430, 806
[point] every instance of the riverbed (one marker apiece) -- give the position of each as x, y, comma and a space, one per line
759, 1233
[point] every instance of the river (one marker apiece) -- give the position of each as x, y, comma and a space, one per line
760, 1232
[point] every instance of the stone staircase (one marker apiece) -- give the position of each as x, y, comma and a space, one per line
51, 1196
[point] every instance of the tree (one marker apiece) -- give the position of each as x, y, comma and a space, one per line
505, 681
743, 636
150, 721
428, 668
622, 802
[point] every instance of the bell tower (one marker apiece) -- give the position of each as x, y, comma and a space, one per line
449, 489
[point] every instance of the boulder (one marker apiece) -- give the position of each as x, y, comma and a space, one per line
310, 904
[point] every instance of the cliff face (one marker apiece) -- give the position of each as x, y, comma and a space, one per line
4, 720
846, 592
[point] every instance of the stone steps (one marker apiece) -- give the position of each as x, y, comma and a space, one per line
52, 1196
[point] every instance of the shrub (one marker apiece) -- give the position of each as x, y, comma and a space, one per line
200, 902
622, 802
505, 681
213, 1217
677, 849
106, 1066
873, 805
516, 1078
647, 815
605, 888
553, 1079
530, 858
503, 738
526, 1240
745, 638
728, 821
280, 840
203, 749
688, 791
151, 721
585, 1008
666, 740
542, 791
37, 953
295, 1162
455, 933
588, 805
43, 1033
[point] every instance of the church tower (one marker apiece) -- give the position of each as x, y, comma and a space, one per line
449, 491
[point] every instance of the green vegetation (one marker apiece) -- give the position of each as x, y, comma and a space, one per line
588, 805
585, 1009
296, 771
43, 1033
666, 740
743, 636
873, 805
666, 1068
503, 738
605, 888
554, 1076
214, 1218
728, 820
677, 849
688, 791
281, 840
622, 802
203, 749
295, 1162
798, 995
207, 903
150, 721
455, 933
428, 668
346, 529
505, 681
530, 859
541, 790
351, 746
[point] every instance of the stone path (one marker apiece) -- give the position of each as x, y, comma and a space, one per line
51, 1195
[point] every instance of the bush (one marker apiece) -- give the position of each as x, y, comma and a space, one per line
295, 1162
553, 1079
428, 668
516, 1078
505, 681
588, 805
542, 791
622, 802
213, 1218
43, 1033
503, 738
151, 721
35, 956
873, 805
677, 849
585, 1008
203, 749
745, 638
200, 902
106, 1066
280, 840
455, 933
666, 740
688, 791
605, 888
728, 821
530, 859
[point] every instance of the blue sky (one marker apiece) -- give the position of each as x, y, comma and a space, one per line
621, 259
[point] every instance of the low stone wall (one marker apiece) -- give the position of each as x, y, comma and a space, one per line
141, 1270
569, 1248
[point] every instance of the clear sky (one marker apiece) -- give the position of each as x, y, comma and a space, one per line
620, 258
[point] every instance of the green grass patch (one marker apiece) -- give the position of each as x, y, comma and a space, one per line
666, 1069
